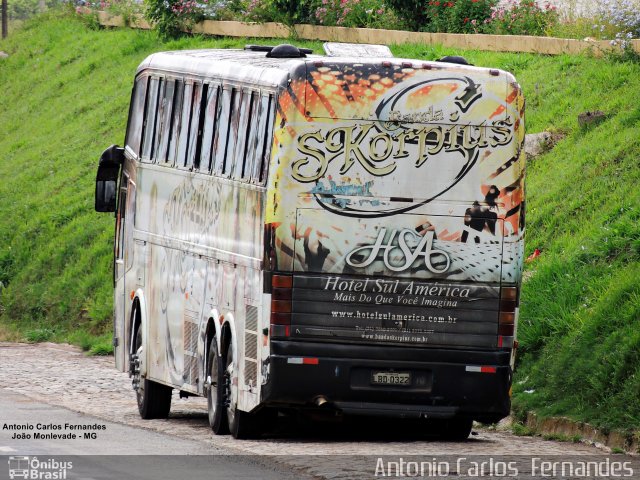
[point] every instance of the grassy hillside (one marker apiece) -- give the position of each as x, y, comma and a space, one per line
65, 90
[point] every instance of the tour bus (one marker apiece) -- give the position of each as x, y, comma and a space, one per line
336, 233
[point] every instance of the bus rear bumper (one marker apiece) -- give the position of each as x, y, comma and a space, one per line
443, 383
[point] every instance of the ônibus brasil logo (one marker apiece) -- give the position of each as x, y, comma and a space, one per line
33, 468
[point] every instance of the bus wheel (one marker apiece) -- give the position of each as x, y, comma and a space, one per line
154, 399
456, 429
240, 423
216, 391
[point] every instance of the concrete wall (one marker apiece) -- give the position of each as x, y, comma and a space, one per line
494, 43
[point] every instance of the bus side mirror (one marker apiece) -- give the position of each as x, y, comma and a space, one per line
107, 178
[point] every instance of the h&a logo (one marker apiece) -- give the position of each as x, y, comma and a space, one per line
399, 251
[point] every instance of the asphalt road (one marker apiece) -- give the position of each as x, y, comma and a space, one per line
47, 383
117, 451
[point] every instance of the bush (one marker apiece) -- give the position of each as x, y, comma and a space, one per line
522, 18
101, 348
468, 16
439, 16
289, 12
172, 17
619, 19
23, 9
458, 16
357, 13
39, 335
412, 12
126, 8
453, 16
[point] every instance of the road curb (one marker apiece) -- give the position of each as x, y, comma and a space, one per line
562, 426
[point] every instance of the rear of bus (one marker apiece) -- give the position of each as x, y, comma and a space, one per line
394, 239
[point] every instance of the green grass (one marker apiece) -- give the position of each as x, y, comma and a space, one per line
65, 93
522, 430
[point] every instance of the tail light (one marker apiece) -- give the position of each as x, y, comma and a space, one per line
281, 294
507, 318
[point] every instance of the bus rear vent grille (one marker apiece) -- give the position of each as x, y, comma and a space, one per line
251, 346
252, 319
190, 337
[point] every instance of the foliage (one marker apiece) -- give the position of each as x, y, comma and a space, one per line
518, 17
101, 346
289, 12
439, 15
126, 8
39, 335
521, 430
357, 13
618, 19
172, 17
468, 16
265, 11
458, 16
226, 10
412, 12
23, 9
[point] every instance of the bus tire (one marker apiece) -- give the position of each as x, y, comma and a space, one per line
154, 399
241, 423
456, 429
216, 391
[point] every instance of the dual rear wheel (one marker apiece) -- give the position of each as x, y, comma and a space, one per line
154, 399
222, 397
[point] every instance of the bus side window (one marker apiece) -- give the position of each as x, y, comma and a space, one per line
252, 136
199, 124
174, 131
150, 117
194, 123
265, 140
136, 115
164, 121
222, 132
157, 133
260, 140
183, 139
244, 122
211, 114
231, 157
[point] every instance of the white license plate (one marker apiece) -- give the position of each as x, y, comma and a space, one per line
391, 378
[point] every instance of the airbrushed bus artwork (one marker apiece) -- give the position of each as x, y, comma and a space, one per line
340, 233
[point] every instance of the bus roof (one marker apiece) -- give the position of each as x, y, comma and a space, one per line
232, 64
256, 68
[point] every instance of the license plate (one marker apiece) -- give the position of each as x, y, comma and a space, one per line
391, 378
